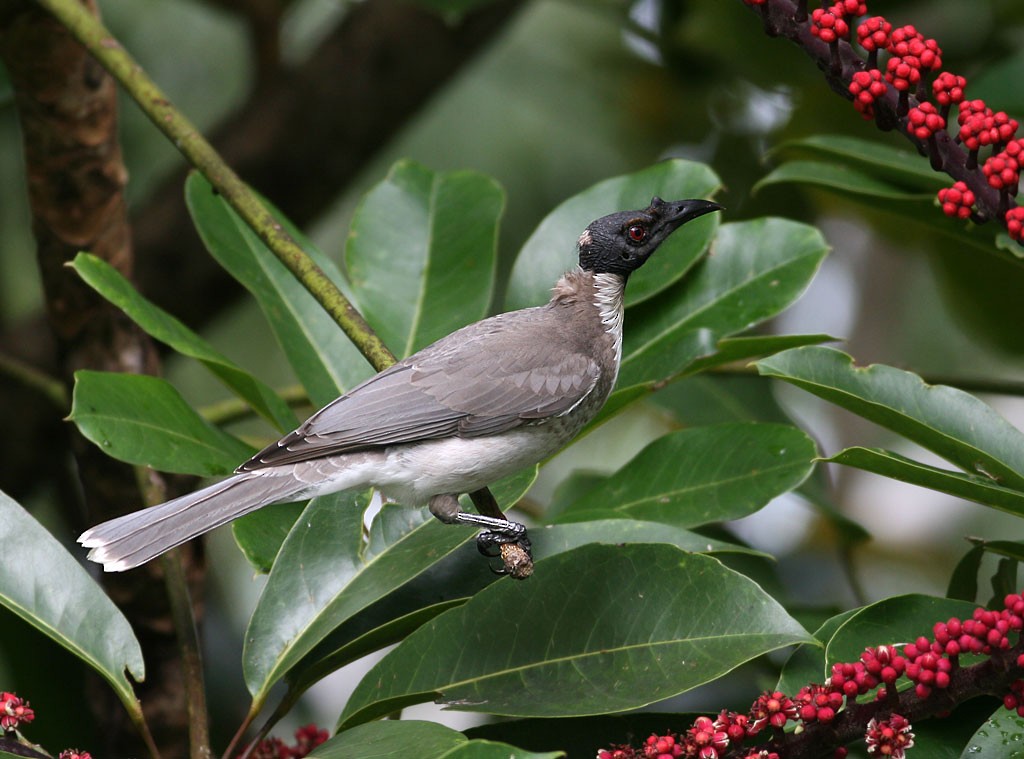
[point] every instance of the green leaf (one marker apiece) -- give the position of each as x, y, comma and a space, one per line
324, 574
899, 619
259, 535
951, 423
1001, 736
144, 420
48, 588
327, 552
553, 539
543, 648
970, 487
425, 740
807, 662
839, 178
903, 168
480, 749
421, 279
551, 249
702, 474
733, 349
391, 738
755, 270
160, 325
323, 358
460, 575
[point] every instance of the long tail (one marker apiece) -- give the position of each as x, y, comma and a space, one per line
135, 538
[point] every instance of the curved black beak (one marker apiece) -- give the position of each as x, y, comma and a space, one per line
678, 212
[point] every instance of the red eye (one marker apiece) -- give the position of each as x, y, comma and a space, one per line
637, 233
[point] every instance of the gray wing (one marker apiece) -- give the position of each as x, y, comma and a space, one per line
484, 379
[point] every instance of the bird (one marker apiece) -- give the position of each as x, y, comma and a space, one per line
477, 405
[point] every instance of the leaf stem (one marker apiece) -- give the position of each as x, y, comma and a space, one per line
88, 30
52, 389
236, 409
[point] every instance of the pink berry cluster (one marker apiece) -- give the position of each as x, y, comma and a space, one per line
307, 738
14, 711
929, 664
921, 109
889, 737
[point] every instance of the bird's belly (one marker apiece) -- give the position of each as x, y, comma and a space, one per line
412, 474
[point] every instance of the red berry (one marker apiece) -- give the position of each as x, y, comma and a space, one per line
956, 201
828, 24
1015, 226
923, 121
948, 88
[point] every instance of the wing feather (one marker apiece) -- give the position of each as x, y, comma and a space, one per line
512, 369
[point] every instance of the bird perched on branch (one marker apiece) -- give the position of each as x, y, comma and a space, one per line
473, 407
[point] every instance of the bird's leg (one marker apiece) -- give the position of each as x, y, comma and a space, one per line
510, 537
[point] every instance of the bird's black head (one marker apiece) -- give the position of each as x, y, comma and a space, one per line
621, 242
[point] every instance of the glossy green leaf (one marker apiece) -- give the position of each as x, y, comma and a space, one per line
807, 662
480, 749
733, 349
839, 178
553, 539
374, 604
324, 574
425, 740
755, 270
144, 420
425, 277
702, 474
323, 358
259, 535
895, 620
391, 738
1001, 736
542, 648
460, 575
947, 421
971, 487
160, 325
49, 589
903, 168
551, 249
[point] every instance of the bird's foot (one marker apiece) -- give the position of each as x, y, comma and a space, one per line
512, 545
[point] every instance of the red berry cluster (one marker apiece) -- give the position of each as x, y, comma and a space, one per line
74, 753
14, 711
307, 738
912, 59
928, 663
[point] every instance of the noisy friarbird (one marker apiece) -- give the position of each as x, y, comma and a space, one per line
473, 407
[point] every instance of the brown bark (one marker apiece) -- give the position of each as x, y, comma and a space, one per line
67, 109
